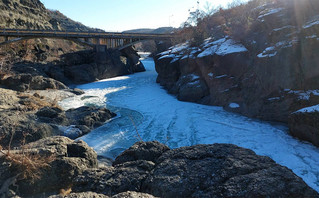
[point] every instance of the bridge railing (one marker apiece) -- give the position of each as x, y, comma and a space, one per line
78, 34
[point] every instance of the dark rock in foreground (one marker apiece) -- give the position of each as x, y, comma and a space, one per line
128, 194
219, 170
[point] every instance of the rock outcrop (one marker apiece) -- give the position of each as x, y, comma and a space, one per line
28, 117
89, 66
269, 73
305, 124
219, 170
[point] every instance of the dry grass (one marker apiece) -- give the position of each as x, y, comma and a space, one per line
26, 163
35, 102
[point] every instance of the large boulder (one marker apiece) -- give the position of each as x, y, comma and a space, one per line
304, 124
128, 194
23, 82
218, 170
148, 151
222, 170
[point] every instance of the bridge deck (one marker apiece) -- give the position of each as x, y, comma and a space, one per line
67, 34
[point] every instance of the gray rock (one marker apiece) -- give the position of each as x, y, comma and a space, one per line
305, 126
128, 176
80, 195
222, 170
148, 151
131, 194
72, 158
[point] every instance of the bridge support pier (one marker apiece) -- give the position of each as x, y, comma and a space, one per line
100, 48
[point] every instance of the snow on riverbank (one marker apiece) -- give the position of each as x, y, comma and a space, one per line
159, 116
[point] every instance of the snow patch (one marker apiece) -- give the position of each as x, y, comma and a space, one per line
209, 51
221, 76
270, 12
268, 52
229, 47
179, 47
273, 99
311, 109
312, 36
282, 28
234, 105
310, 24
303, 95
167, 56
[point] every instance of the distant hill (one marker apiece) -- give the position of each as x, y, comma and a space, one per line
161, 30
32, 14
65, 23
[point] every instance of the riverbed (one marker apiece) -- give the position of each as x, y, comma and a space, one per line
145, 111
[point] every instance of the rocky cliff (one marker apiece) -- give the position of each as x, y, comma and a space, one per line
269, 71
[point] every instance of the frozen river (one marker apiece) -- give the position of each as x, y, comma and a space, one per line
145, 109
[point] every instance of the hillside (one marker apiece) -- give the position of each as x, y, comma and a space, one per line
161, 30
59, 20
31, 14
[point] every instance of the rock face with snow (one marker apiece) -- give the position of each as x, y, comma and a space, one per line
305, 124
269, 74
219, 170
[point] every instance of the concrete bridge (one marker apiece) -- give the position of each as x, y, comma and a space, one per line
98, 40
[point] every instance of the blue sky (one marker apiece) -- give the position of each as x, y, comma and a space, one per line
119, 15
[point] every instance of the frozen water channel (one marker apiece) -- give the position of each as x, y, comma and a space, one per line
143, 105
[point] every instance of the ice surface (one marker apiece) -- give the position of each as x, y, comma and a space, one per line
160, 116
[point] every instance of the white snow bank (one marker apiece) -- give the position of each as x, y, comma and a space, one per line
221, 76
310, 24
303, 95
282, 28
164, 53
168, 56
234, 105
270, 12
273, 99
209, 51
309, 109
222, 47
179, 47
229, 47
